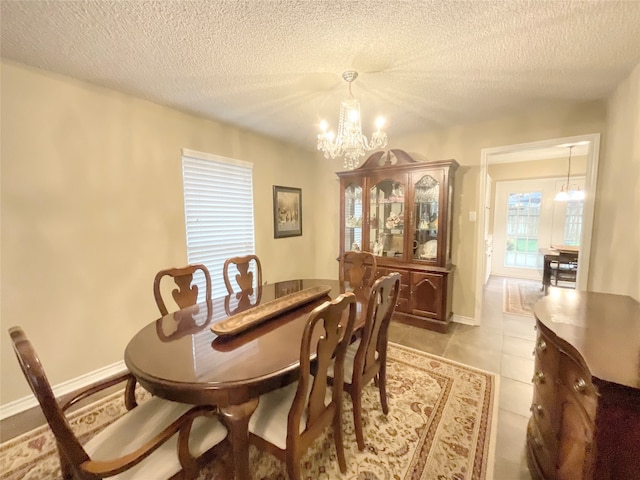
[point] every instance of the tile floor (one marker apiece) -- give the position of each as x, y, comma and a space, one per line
502, 344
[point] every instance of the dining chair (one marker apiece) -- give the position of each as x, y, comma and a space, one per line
358, 268
157, 439
241, 301
288, 420
244, 277
187, 293
564, 269
366, 357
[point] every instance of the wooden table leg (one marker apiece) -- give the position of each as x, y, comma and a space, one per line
546, 274
237, 422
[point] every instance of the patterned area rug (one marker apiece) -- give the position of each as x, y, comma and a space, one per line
441, 425
520, 296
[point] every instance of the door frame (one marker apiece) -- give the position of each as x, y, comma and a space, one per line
489, 156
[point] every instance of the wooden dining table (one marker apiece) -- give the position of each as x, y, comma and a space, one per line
178, 357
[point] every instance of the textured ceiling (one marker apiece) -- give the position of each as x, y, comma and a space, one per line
275, 66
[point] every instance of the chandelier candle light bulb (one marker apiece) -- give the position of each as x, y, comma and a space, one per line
350, 142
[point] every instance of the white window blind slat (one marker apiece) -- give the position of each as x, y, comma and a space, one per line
218, 202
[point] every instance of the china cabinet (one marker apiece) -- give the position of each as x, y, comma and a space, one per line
400, 210
585, 412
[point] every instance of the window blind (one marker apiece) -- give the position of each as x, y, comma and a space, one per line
218, 203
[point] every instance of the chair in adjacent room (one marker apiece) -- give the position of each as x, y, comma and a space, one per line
564, 269
187, 293
358, 269
245, 276
366, 358
157, 439
288, 420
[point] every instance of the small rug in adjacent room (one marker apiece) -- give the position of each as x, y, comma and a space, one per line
441, 425
519, 296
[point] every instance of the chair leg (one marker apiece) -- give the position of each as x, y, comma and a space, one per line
356, 400
65, 467
293, 467
382, 386
337, 435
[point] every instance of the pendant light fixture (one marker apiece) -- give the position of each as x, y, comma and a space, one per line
350, 142
569, 191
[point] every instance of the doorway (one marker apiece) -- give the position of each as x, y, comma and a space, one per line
530, 151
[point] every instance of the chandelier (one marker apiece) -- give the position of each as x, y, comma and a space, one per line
350, 142
569, 191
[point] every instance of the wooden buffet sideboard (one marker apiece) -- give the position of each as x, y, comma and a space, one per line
400, 210
585, 413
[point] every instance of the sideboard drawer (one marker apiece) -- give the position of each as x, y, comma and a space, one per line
578, 380
544, 412
543, 453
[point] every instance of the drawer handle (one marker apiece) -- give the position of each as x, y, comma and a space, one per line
542, 346
580, 386
536, 408
538, 377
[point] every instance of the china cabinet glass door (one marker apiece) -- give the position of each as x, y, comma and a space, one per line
353, 217
387, 218
426, 204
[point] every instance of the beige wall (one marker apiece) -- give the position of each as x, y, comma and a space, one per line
616, 242
92, 208
549, 167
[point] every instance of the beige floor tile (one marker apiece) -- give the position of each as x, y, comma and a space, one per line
517, 368
515, 396
511, 435
518, 346
426, 340
397, 331
508, 470
519, 326
482, 337
482, 358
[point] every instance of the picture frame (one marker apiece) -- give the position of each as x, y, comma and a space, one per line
287, 211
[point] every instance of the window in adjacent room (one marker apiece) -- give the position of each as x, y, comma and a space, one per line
523, 221
218, 203
573, 222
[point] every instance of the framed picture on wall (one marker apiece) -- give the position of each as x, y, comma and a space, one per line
287, 211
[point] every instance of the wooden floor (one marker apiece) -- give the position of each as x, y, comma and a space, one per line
502, 344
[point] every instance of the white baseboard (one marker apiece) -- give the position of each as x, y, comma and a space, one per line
464, 320
25, 403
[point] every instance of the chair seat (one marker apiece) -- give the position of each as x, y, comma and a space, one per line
141, 424
349, 360
269, 421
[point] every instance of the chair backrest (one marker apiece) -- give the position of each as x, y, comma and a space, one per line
380, 308
244, 277
331, 328
358, 268
186, 294
242, 301
67, 442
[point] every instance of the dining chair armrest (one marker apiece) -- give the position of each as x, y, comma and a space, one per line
76, 396
106, 468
